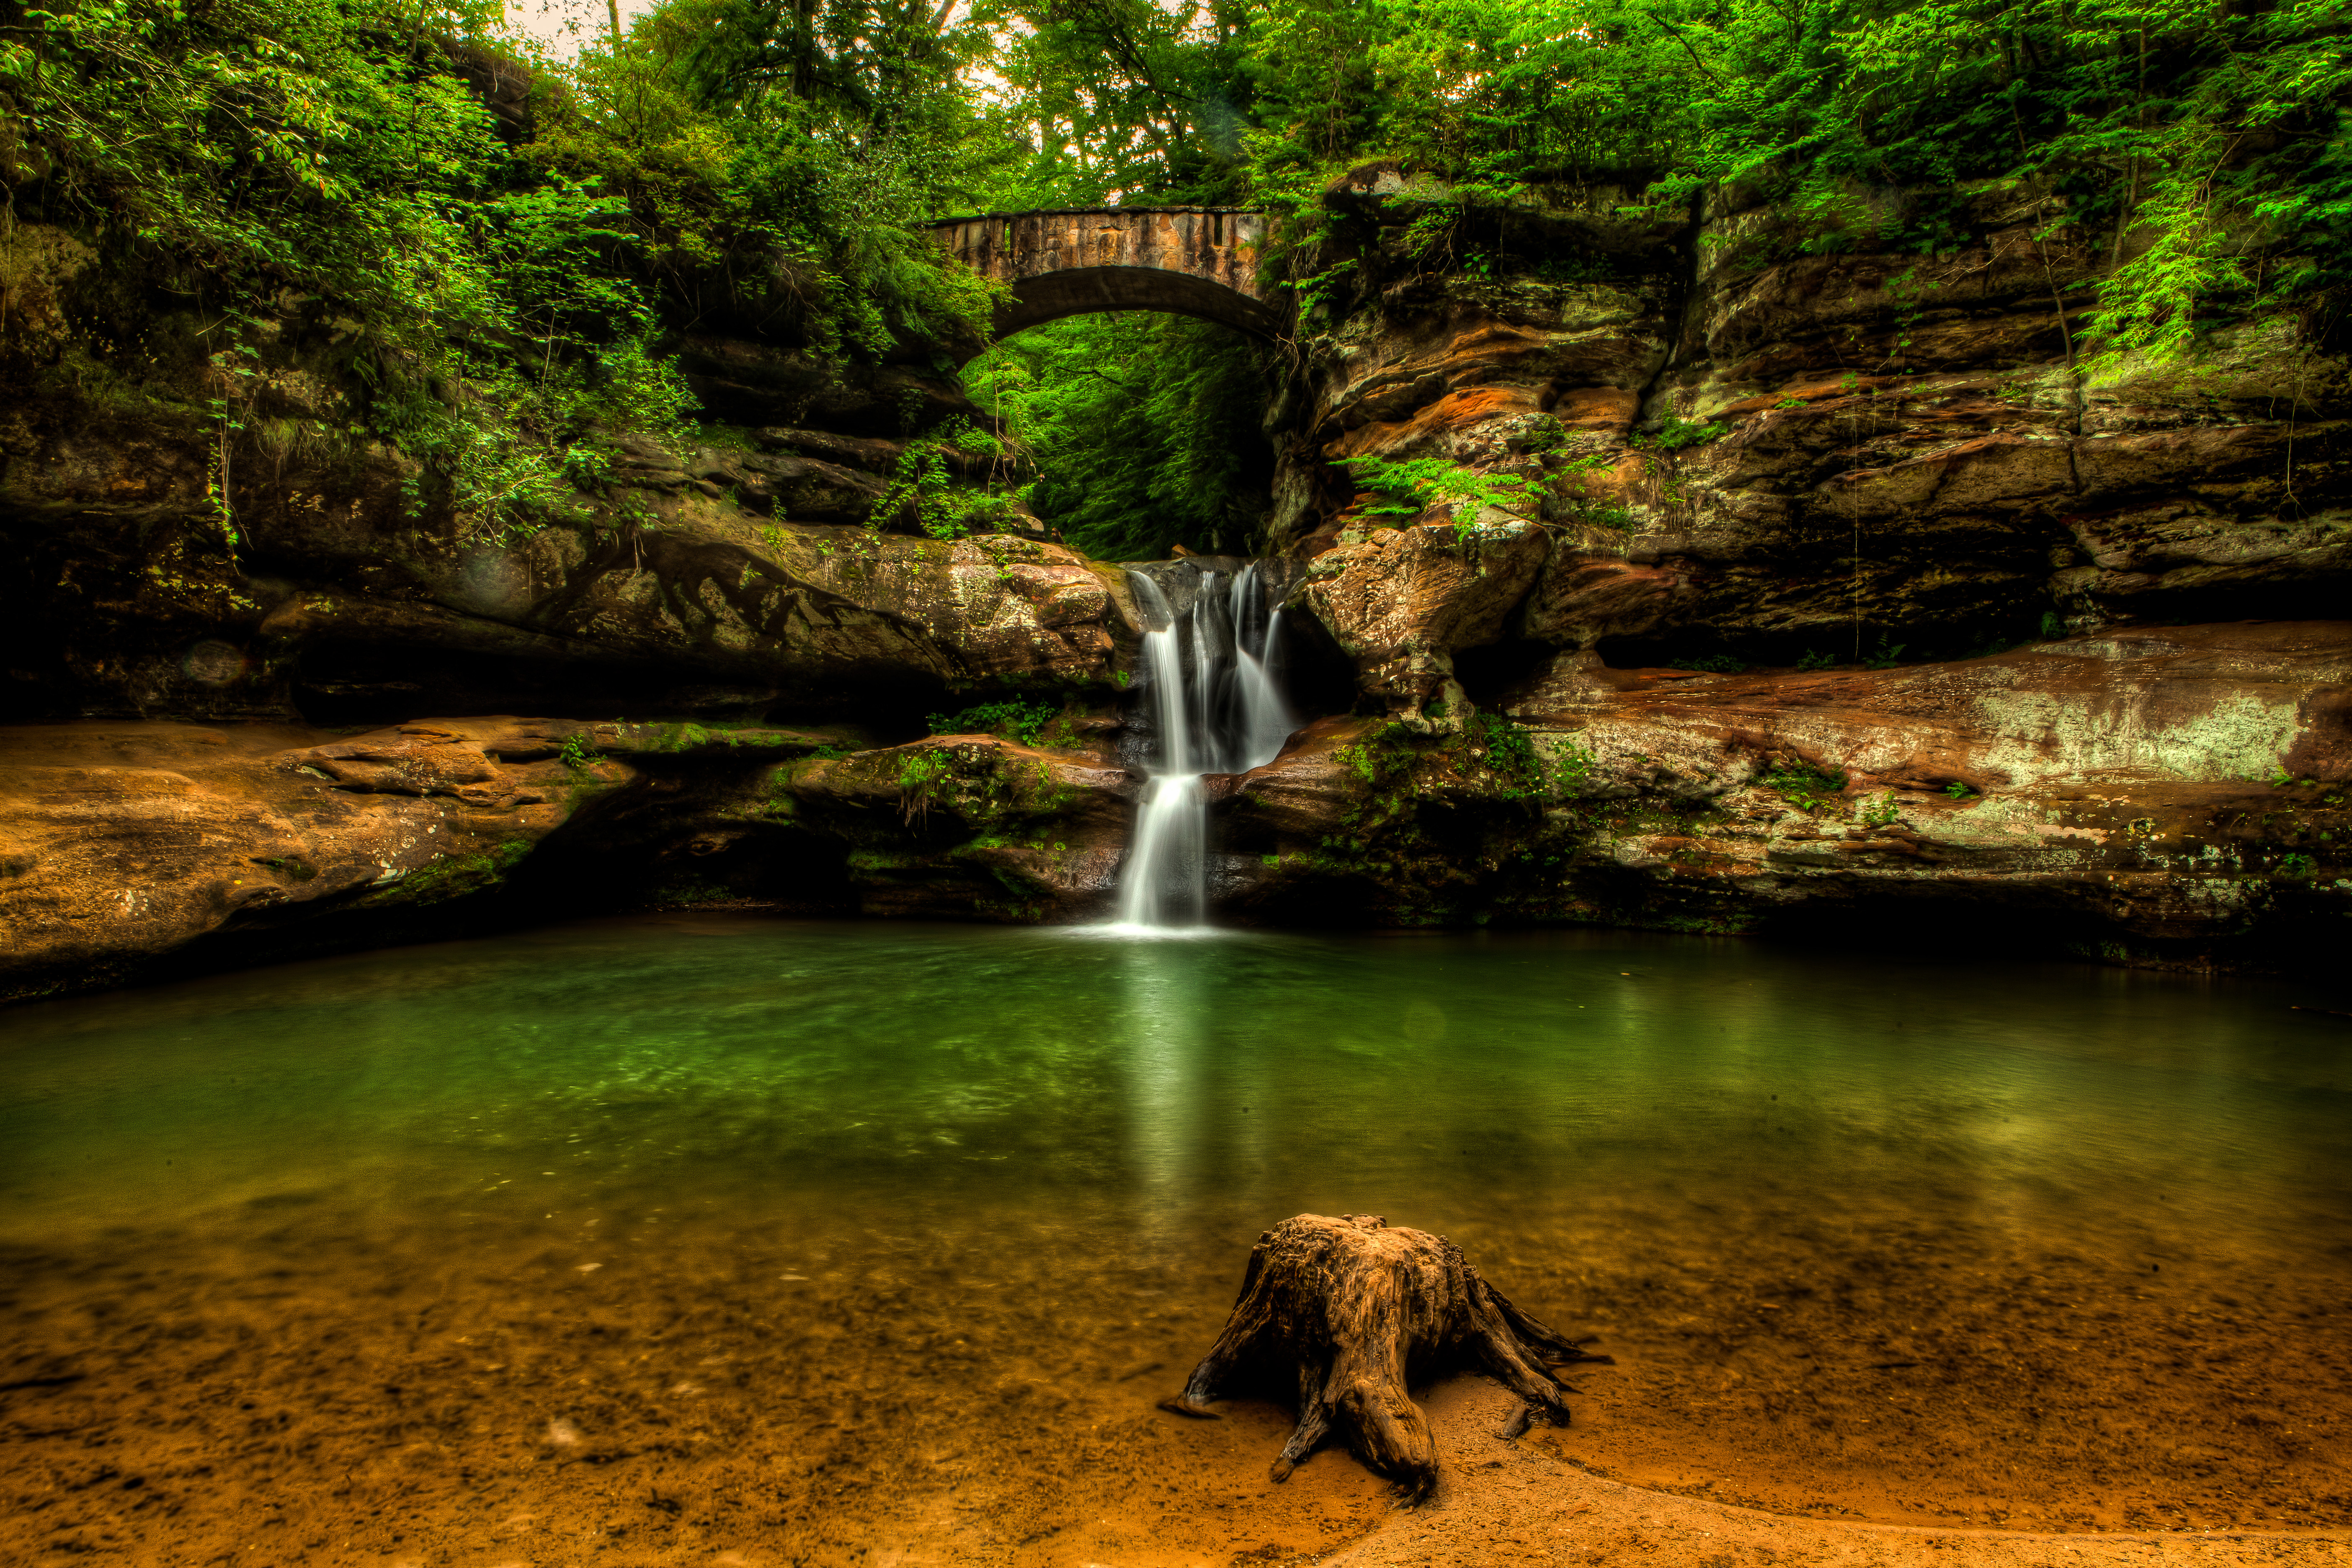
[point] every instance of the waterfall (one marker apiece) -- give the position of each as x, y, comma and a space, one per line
1212, 684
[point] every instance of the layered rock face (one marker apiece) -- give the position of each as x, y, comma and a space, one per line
1746, 452
2174, 795
133, 850
165, 561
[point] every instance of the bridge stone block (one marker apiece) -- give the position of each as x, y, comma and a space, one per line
1191, 261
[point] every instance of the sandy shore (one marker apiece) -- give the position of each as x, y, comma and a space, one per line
1503, 1502
593, 1389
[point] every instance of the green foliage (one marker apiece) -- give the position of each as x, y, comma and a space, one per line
1883, 812
1804, 786
1024, 720
1411, 488
918, 769
1713, 664
497, 304
1100, 98
1676, 434
924, 485
921, 773
1957, 790
1143, 428
2194, 146
2297, 866
454, 876
1819, 659
1509, 749
1886, 656
799, 146
501, 287
579, 751
1599, 514
308, 161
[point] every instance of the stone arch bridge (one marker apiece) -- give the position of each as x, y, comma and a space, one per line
1073, 261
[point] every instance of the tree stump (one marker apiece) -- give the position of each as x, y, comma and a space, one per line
1346, 1311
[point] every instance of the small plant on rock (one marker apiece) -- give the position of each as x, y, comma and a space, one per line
1804, 786
923, 484
919, 773
1510, 750
1411, 488
1676, 434
1023, 720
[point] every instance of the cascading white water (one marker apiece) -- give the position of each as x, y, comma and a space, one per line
1216, 706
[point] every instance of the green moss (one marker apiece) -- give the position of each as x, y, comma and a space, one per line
691, 890
453, 875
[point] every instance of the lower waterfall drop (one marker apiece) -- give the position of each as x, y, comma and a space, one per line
1213, 686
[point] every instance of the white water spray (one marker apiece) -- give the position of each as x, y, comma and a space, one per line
1216, 706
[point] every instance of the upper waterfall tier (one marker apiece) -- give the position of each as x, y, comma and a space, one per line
1211, 684
1211, 676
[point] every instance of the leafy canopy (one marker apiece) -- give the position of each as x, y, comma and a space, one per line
517, 246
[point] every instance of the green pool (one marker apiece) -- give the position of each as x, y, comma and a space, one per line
2009, 1243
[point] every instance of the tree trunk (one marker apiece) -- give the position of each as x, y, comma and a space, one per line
1346, 1311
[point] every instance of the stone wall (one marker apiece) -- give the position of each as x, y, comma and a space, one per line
1193, 261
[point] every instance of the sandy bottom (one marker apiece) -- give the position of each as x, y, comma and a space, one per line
1505, 1502
297, 1383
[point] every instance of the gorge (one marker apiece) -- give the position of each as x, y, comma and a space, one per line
1581, 704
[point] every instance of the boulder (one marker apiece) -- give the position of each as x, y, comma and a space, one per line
1401, 601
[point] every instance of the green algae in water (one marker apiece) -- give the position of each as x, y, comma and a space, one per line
1234, 1076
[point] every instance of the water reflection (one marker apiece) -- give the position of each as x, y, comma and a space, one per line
1204, 1083
1167, 1000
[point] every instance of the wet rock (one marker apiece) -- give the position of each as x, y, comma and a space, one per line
2181, 795
1401, 601
139, 850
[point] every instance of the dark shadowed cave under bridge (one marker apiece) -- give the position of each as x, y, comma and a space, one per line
1073, 261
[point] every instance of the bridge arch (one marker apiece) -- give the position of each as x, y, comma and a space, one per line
1074, 261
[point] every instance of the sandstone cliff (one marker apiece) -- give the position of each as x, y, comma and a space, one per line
1748, 453
1851, 601
184, 541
